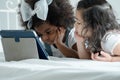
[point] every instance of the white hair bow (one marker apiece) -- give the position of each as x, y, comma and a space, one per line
40, 9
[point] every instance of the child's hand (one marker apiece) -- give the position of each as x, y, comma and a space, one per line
60, 35
78, 37
103, 57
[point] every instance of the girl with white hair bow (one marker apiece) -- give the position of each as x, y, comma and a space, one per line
51, 20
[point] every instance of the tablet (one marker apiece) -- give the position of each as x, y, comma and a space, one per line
22, 44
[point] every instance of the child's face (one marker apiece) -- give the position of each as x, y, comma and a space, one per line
79, 25
47, 33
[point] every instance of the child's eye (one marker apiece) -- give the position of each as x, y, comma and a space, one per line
78, 23
48, 32
40, 35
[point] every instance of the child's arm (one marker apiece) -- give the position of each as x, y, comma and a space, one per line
68, 52
82, 52
105, 57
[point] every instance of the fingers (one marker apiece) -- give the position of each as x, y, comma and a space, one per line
104, 53
60, 35
94, 56
99, 58
61, 30
104, 56
78, 37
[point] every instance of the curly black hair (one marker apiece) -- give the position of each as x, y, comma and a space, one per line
60, 14
97, 15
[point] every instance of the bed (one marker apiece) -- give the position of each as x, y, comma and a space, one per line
58, 69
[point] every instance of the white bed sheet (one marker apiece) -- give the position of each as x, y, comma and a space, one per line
59, 69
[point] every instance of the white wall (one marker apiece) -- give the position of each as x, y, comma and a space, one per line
8, 14
116, 4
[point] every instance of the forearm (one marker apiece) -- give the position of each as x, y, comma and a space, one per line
68, 52
82, 52
115, 58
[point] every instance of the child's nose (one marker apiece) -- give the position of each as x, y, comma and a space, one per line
45, 37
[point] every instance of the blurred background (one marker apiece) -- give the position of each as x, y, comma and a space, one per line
9, 18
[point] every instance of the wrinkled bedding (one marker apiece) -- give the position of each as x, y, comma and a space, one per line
59, 69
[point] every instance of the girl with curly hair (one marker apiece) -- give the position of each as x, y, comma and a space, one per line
51, 19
